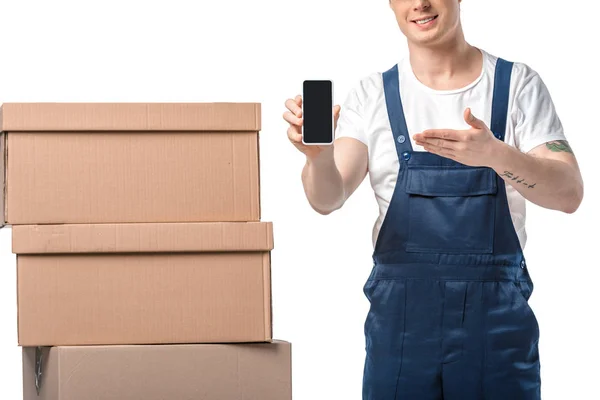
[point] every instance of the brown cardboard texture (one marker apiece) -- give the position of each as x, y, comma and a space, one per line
209, 372
59, 117
137, 238
132, 163
2, 176
136, 286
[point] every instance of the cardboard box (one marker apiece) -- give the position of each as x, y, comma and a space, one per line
143, 283
3, 157
173, 372
127, 163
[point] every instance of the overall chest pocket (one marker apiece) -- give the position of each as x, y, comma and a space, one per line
451, 209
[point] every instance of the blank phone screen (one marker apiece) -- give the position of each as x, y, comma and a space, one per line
317, 112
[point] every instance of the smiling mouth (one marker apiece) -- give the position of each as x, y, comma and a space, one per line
424, 20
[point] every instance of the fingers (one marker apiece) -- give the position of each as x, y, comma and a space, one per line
439, 143
336, 115
295, 106
445, 144
294, 134
471, 120
446, 134
294, 114
432, 148
468, 116
292, 119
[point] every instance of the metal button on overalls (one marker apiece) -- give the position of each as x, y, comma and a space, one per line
449, 317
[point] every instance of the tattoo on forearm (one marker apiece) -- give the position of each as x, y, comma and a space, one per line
559, 146
512, 176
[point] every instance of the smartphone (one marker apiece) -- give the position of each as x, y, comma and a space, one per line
317, 112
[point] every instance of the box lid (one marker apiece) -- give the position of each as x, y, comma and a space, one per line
147, 237
130, 117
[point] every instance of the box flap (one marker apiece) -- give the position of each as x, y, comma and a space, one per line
40, 373
131, 117
3, 159
148, 237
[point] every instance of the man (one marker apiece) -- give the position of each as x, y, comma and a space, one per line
455, 141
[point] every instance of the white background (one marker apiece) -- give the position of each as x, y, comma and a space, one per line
260, 51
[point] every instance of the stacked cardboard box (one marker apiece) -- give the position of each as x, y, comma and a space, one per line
143, 265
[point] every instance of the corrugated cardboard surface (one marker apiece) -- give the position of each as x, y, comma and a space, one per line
122, 238
139, 298
130, 117
2, 176
207, 372
132, 177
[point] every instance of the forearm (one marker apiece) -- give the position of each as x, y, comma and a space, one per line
323, 183
549, 183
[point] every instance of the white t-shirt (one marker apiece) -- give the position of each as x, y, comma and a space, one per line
532, 121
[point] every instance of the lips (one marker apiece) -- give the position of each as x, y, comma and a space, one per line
424, 20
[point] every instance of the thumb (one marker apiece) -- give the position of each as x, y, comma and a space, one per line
471, 120
336, 114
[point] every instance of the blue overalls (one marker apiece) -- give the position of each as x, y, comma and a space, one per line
449, 317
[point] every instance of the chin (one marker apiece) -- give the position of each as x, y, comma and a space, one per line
425, 40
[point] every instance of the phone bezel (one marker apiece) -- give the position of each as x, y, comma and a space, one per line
332, 119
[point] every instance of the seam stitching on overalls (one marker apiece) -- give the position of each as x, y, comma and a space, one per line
402, 342
485, 345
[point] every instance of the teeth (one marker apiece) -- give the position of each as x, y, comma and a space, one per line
424, 21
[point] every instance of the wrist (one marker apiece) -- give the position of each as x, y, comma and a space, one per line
497, 159
321, 158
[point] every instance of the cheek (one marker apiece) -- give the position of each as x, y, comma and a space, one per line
403, 23
403, 26
453, 13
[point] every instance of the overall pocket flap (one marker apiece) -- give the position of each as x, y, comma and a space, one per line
451, 181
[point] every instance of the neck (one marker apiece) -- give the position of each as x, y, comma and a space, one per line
450, 65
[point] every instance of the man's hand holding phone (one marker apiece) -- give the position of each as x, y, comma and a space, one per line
329, 176
294, 116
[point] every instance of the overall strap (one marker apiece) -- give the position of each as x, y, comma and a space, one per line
500, 99
391, 87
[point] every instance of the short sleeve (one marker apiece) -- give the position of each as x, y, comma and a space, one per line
351, 121
537, 119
